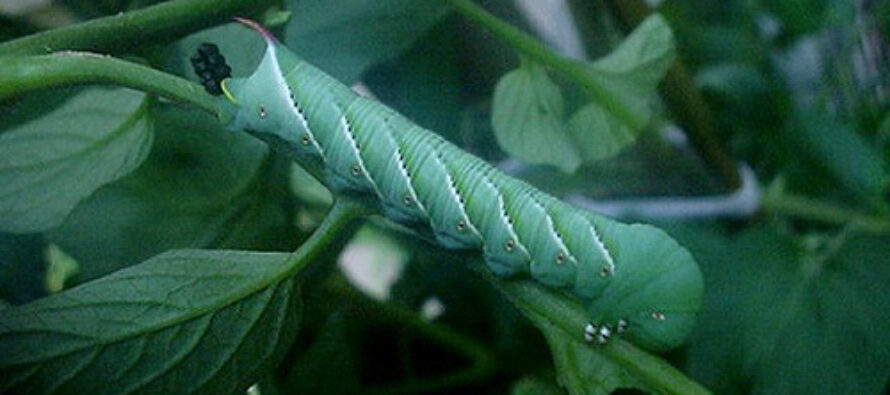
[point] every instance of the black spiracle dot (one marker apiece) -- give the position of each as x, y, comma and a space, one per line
210, 66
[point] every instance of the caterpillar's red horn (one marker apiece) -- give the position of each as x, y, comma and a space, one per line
256, 26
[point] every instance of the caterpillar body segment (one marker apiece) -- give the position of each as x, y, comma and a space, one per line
633, 279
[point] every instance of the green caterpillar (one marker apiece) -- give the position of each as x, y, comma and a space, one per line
633, 279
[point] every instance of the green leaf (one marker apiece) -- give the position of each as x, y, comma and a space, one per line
854, 163
534, 386
630, 73
424, 82
528, 115
329, 365
786, 317
364, 32
22, 267
189, 320
528, 118
599, 135
201, 187
49, 164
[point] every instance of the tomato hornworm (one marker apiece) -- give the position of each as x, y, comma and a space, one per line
633, 279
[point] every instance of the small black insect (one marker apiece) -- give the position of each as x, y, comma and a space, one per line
211, 67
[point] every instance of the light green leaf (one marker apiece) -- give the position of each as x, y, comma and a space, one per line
630, 73
185, 321
49, 164
529, 119
528, 115
363, 32
599, 135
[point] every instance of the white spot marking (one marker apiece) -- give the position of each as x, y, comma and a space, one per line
589, 332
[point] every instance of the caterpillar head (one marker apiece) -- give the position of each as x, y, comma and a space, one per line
263, 103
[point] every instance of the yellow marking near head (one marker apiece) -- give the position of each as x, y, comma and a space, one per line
226, 91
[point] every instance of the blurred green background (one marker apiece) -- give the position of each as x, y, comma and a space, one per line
783, 202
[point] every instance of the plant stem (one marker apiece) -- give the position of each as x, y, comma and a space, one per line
19, 75
538, 302
131, 31
526, 44
340, 217
812, 209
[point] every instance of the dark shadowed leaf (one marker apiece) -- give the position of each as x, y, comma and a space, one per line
364, 32
329, 365
843, 153
49, 164
22, 267
781, 318
535, 386
202, 186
